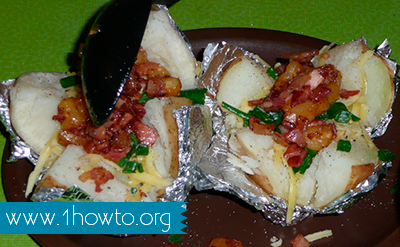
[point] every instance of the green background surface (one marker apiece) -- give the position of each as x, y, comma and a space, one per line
38, 35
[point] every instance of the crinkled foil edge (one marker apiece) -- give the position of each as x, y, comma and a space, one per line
19, 149
220, 175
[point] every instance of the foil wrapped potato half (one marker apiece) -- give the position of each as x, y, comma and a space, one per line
134, 155
298, 129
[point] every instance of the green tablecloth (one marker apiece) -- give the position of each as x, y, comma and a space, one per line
38, 35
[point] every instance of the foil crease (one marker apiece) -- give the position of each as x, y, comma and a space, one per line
19, 149
47, 194
194, 135
220, 175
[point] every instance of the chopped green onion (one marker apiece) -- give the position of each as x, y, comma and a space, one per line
344, 145
133, 190
136, 148
142, 150
236, 111
339, 112
273, 73
343, 116
132, 166
265, 117
385, 155
196, 95
174, 238
70, 81
144, 98
394, 189
306, 162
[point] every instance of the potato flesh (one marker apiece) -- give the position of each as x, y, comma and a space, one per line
244, 80
33, 103
363, 70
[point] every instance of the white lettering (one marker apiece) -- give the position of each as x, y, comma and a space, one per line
88, 222
151, 219
164, 223
47, 218
13, 218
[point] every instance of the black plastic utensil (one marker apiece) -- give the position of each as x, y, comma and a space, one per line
110, 53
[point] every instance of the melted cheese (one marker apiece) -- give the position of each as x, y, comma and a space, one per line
292, 195
48, 155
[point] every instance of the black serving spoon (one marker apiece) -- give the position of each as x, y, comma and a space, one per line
110, 53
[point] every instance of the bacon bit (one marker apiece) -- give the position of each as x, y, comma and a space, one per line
345, 94
325, 56
145, 133
300, 241
255, 102
292, 151
224, 242
156, 87
315, 79
296, 136
287, 124
301, 57
142, 194
300, 97
297, 160
100, 176
279, 138
319, 93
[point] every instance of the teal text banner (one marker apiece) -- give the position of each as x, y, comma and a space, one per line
92, 218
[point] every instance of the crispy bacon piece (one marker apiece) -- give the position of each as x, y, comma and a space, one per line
261, 129
296, 136
145, 133
292, 151
300, 241
100, 176
301, 57
112, 140
296, 161
345, 94
224, 242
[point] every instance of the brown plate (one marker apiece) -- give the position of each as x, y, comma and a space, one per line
373, 221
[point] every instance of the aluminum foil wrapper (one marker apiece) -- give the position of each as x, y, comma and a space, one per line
19, 149
220, 175
384, 51
195, 133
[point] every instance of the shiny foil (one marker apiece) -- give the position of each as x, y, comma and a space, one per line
19, 149
220, 175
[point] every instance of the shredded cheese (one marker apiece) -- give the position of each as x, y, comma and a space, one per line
292, 195
42, 161
150, 179
318, 235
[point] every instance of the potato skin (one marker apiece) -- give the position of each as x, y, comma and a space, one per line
174, 103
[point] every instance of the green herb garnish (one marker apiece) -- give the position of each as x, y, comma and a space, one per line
265, 117
136, 149
174, 238
273, 73
196, 95
144, 99
70, 81
339, 112
306, 162
344, 145
132, 166
385, 155
133, 190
